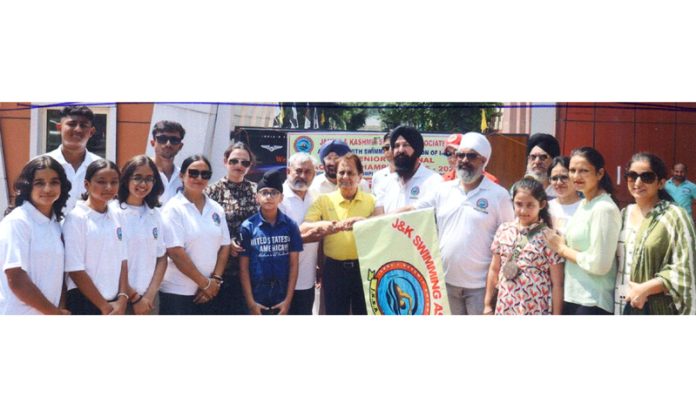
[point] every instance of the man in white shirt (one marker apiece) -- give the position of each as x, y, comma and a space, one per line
328, 154
412, 180
167, 141
379, 178
468, 213
541, 149
297, 198
76, 128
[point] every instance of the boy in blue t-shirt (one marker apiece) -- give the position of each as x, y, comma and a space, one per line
272, 242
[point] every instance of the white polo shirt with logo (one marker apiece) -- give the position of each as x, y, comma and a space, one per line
379, 179
171, 187
31, 241
296, 208
398, 194
200, 234
94, 244
76, 178
467, 223
143, 234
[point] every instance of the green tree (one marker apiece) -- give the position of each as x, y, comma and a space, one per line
438, 117
324, 116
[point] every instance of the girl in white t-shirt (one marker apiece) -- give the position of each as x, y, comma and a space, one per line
95, 254
31, 248
137, 211
567, 199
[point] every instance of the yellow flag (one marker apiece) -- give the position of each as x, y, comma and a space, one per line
323, 119
484, 123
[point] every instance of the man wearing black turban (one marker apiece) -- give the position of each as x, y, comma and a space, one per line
541, 149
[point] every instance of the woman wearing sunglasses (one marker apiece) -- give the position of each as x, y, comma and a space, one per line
656, 246
197, 242
237, 196
567, 200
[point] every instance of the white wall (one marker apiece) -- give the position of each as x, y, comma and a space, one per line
543, 118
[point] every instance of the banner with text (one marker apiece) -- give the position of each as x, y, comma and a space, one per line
368, 146
400, 264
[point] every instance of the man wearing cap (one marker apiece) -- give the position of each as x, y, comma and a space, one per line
271, 241
468, 213
329, 153
541, 149
413, 179
451, 145
379, 178
167, 141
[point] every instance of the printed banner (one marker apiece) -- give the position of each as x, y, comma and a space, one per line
368, 146
400, 264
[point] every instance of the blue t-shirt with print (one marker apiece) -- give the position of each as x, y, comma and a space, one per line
268, 247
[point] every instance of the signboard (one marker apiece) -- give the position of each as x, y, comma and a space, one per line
400, 264
368, 146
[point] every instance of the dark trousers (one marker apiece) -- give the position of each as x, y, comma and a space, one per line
342, 287
175, 304
229, 300
302, 302
571, 309
79, 305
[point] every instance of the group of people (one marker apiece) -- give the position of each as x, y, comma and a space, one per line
84, 236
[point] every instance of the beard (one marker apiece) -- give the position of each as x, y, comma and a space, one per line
298, 185
330, 171
468, 174
542, 177
405, 164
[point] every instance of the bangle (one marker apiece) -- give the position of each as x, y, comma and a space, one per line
123, 294
217, 277
136, 301
210, 281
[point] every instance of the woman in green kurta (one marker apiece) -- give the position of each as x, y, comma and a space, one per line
656, 249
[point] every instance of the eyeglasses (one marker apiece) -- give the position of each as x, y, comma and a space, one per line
269, 193
143, 180
235, 161
194, 173
174, 140
647, 177
468, 155
386, 148
540, 156
559, 178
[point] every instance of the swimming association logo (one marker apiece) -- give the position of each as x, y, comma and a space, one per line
216, 218
303, 144
415, 191
482, 203
398, 288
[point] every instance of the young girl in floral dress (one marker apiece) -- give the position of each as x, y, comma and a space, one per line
525, 273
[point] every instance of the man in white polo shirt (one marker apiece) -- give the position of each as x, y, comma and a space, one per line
167, 141
412, 180
76, 127
297, 198
468, 213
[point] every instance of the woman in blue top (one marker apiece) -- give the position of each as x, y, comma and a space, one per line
591, 236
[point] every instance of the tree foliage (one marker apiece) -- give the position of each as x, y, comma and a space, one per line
323, 116
438, 117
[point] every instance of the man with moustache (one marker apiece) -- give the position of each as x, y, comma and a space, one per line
680, 189
468, 213
541, 149
297, 198
412, 180
329, 153
167, 141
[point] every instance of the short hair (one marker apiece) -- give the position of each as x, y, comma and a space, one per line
680, 163
301, 158
82, 111
25, 183
152, 199
168, 126
350, 156
242, 146
97, 166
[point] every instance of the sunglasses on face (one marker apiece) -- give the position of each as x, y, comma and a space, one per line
468, 155
449, 153
194, 173
647, 177
162, 139
559, 178
235, 161
386, 148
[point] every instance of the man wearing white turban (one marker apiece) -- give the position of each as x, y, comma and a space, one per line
468, 213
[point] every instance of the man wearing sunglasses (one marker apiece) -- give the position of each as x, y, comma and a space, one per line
451, 145
167, 141
682, 190
541, 149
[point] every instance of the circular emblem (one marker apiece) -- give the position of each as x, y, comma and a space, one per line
154, 232
303, 144
216, 218
119, 233
482, 203
415, 191
398, 288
